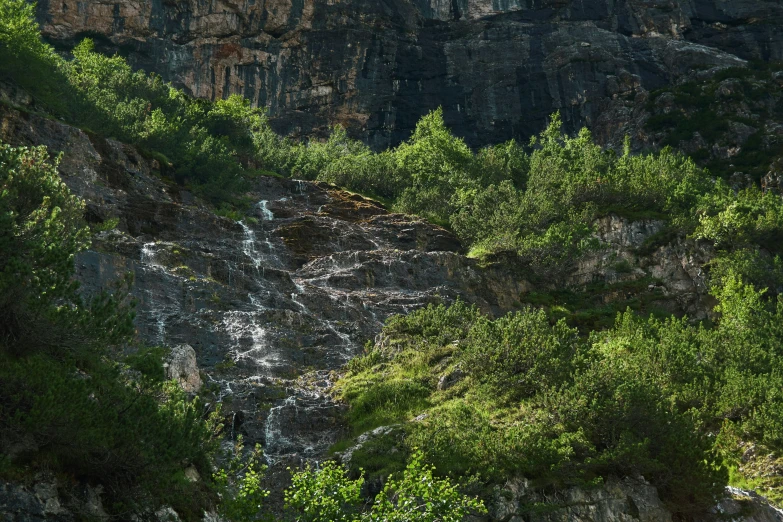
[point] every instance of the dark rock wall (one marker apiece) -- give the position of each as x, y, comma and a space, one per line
498, 67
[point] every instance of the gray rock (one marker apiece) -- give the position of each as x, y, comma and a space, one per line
617, 501
498, 68
451, 378
181, 366
42, 501
747, 506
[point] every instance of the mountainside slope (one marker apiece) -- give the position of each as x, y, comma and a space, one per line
275, 303
297, 289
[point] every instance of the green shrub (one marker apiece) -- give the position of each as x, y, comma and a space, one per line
644, 397
77, 412
520, 354
326, 494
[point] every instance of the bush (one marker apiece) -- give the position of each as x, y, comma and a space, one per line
63, 400
520, 354
645, 397
326, 494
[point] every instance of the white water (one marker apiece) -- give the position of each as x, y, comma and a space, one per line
288, 318
148, 255
249, 245
263, 205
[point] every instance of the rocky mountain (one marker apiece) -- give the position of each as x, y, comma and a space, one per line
497, 67
264, 312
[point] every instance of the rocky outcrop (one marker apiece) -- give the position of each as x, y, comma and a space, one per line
499, 68
265, 308
43, 501
181, 366
617, 500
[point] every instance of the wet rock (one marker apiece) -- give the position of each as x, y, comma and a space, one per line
269, 303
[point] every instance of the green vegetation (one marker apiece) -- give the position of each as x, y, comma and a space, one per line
568, 394
645, 397
328, 495
538, 203
70, 402
711, 107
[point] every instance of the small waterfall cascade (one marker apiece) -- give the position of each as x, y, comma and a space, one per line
276, 301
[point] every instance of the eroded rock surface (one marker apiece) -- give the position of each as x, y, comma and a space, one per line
499, 68
182, 367
271, 304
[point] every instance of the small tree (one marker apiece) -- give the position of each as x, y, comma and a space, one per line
239, 484
324, 494
418, 495
328, 495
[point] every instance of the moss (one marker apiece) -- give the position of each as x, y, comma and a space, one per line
381, 456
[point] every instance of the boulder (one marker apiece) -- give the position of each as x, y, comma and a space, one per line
181, 366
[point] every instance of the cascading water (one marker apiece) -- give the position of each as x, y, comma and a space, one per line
276, 301
264, 206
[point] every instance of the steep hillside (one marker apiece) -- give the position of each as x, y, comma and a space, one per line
566, 331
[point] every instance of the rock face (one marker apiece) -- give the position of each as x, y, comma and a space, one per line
626, 500
671, 269
270, 305
616, 501
42, 502
498, 67
181, 366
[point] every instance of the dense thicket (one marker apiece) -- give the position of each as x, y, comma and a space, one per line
664, 399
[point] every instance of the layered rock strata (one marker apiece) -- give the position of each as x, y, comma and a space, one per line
498, 68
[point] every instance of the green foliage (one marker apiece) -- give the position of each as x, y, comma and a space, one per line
41, 230
238, 484
27, 60
326, 494
645, 397
520, 354
63, 400
148, 361
419, 495
435, 165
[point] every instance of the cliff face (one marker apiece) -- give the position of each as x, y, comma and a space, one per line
498, 67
